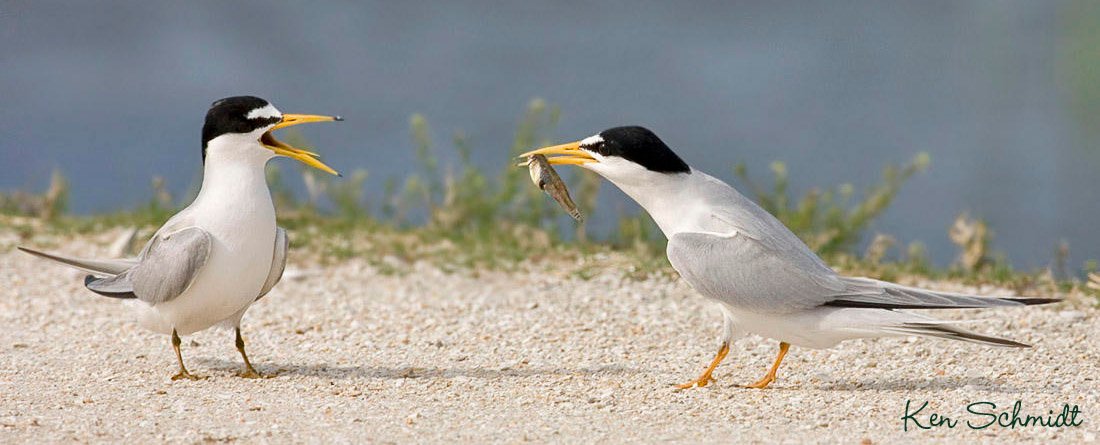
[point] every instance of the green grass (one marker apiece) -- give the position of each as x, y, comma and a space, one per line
464, 217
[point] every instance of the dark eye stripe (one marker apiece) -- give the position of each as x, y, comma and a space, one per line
265, 121
597, 147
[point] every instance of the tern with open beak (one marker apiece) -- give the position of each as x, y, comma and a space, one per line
765, 279
207, 264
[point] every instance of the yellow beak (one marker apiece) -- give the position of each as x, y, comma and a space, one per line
571, 153
283, 149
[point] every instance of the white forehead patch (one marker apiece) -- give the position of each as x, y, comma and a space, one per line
591, 140
266, 112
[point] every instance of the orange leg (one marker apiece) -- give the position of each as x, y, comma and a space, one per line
705, 378
770, 377
249, 372
183, 374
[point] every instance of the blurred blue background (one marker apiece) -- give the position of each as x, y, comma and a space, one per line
1003, 94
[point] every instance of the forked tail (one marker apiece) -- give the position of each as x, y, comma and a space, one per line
941, 329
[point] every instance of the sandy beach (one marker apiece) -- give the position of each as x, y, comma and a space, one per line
538, 355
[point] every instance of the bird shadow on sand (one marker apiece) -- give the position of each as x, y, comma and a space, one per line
918, 384
411, 372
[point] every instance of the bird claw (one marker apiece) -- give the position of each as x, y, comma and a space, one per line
186, 375
699, 382
761, 384
253, 374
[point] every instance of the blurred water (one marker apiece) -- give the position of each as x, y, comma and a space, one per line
114, 92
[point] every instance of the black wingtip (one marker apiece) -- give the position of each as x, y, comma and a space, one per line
90, 279
1034, 301
873, 305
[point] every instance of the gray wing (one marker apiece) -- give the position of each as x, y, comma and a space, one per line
761, 265
746, 274
278, 262
732, 210
756, 263
165, 269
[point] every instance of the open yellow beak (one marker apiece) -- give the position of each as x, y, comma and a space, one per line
283, 149
571, 153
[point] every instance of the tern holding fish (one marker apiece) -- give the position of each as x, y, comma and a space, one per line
765, 279
207, 264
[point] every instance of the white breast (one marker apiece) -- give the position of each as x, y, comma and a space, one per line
235, 208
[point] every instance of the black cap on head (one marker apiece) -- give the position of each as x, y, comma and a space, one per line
641, 146
230, 115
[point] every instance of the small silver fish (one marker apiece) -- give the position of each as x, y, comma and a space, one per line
544, 176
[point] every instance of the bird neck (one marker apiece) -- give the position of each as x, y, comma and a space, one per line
235, 175
675, 201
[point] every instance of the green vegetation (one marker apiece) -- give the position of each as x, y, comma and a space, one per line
829, 222
464, 217
47, 206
